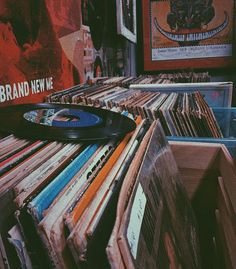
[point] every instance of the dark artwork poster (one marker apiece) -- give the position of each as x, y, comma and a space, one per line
43, 48
208, 31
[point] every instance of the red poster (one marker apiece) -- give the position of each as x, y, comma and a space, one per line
42, 46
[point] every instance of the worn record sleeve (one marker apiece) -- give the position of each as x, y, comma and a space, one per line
29, 221
11, 177
152, 106
140, 106
180, 115
45, 198
185, 114
160, 114
96, 99
74, 216
159, 210
20, 156
86, 233
107, 99
188, 114
119, 98
167, 115
207, 132
39, 178
172, 114
7, 141
112, 250
52, 229
192, 119
195, 116
55, 97
32, 163
12, 149
210, 118
97, 182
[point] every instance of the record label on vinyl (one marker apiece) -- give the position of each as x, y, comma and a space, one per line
63, 122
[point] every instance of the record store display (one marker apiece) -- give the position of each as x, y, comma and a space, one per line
65, 196
97, 185
63, 122
181, 113
117, 143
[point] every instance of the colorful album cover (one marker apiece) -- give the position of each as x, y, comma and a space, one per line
33, 62
44, 48
184, 29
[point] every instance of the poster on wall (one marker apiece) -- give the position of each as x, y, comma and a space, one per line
126, 19
33, 62
48, 46
44, 47
187, 34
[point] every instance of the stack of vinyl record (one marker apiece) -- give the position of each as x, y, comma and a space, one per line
162, 78
181, 114
59, 202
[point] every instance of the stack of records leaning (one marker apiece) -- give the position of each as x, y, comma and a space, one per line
161, 78
180, 113
117, 203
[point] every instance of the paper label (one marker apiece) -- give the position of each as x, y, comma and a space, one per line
136, 219
192, 52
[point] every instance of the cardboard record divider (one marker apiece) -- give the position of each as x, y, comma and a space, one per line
63, 122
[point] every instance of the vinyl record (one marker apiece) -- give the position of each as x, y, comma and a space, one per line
63, 122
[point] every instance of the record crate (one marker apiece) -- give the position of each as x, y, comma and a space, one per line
218, 96
209, 176
226, 118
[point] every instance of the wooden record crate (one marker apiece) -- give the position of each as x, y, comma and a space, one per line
209, 175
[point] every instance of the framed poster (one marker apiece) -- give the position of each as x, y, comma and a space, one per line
187, 34
126, 19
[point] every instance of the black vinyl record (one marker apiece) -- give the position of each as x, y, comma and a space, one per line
47, 121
